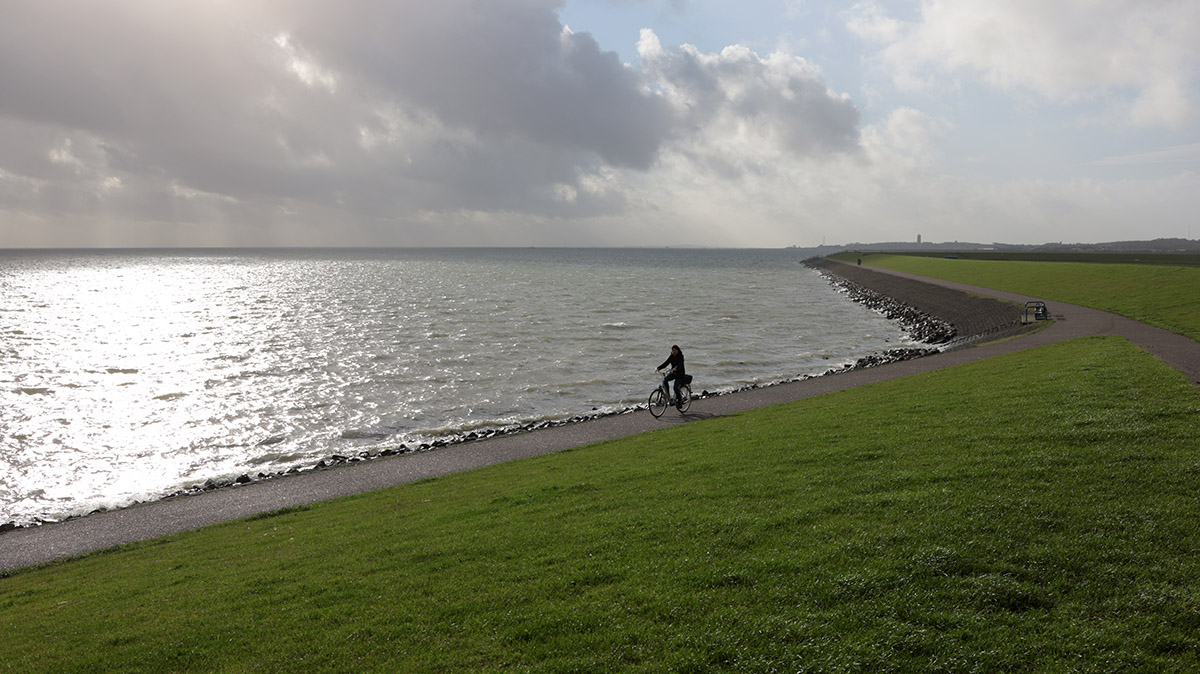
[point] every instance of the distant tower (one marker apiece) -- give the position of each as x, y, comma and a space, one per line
918, 238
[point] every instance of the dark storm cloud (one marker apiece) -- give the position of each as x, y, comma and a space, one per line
500, 68
369, 111
179, 91
263, 100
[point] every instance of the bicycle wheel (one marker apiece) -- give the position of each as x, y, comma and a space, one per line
658, 403
685, 398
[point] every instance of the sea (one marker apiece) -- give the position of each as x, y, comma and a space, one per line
130, 375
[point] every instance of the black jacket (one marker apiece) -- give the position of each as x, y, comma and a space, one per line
675, 360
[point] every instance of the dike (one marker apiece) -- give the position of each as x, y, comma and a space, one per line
931, 314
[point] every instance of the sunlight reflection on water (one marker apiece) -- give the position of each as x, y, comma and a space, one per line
129, 375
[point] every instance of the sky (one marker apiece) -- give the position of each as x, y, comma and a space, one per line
764, 123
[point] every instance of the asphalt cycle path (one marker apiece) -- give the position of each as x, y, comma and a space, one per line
1181, 353
48, 542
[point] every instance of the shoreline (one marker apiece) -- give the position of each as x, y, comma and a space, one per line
933, 333
33, 546
939, 314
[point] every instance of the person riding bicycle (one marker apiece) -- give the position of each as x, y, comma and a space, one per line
677, 372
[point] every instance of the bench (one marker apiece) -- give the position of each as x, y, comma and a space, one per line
1038, 309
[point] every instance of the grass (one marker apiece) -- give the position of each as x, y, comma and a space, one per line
1169, 259
1161, 295
1028, 512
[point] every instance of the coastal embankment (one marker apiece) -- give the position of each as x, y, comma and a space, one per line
972, 317
932, 314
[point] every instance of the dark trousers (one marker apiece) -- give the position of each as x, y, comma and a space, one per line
678, 381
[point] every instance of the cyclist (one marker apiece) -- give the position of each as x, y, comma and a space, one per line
675, 360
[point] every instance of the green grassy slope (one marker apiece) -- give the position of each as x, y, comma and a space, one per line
1029, 512
1165, 296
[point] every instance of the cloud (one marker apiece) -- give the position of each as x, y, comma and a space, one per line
1140, 55
503, 70
372, 109
871, 21
1179, 154
913, 133
737, 95
297, 122
378, 115
891, 189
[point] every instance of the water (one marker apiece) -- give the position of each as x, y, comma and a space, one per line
129, 375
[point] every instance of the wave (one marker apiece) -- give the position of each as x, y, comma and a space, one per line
367, 351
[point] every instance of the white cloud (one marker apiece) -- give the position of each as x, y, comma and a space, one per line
304, 66
1139, 54
648, 45
871, 21
737, 99
62, 154
914, 133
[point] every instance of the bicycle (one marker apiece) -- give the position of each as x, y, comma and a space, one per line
660, 398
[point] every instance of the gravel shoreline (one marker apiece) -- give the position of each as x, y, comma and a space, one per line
932, 314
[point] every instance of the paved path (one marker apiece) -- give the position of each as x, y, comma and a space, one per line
25, 547
1179, 352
